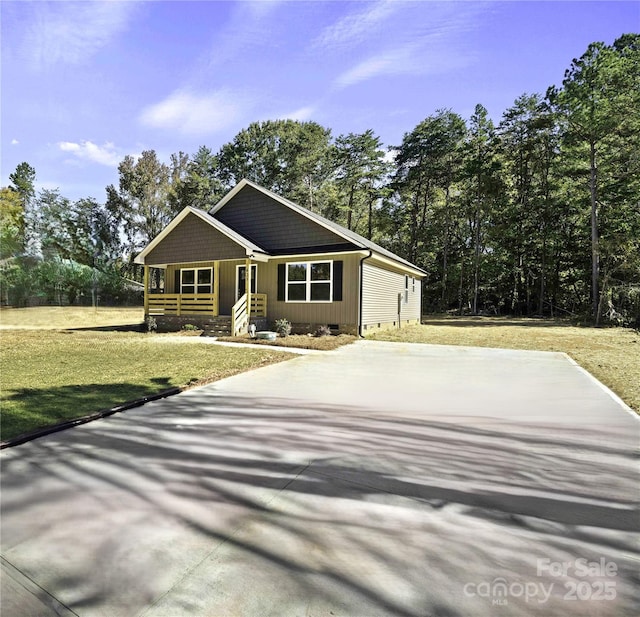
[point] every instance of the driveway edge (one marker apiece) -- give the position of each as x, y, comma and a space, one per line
103, 413
608, 390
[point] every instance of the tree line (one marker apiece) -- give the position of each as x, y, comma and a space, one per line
538, 214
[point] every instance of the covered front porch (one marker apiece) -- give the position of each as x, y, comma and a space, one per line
205, 266
208, 292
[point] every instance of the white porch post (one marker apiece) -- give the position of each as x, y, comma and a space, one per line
216, 288
247, 280
146, 290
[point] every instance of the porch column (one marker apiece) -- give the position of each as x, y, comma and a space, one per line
146, 290
247, 280
216, 288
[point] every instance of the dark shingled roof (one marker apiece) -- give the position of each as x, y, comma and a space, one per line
356, 239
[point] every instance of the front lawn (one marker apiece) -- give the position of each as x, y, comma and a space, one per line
612, 355
50, 317
49, 376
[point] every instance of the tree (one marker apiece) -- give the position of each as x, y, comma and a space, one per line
11, 223
142, 201
288, 157
482, 188
23, 179
197, 184
598, 103
23, 182
420, 164
525, 227
54, 225
359, 173
83, 231
447, 215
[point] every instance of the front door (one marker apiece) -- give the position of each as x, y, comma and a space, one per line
241, 280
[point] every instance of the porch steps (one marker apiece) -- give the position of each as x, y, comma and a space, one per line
218, 326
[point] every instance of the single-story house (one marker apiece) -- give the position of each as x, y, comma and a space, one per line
303, 268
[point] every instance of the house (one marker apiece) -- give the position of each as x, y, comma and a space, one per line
302, 267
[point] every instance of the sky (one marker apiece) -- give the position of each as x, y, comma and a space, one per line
85, 83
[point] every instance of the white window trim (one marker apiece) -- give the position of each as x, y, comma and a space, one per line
308, 282
195, 280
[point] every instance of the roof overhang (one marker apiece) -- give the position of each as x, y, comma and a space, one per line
413, 271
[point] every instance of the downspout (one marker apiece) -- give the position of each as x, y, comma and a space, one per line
360, 299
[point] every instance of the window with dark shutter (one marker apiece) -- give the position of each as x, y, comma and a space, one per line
309, 281
337, 281
282, 281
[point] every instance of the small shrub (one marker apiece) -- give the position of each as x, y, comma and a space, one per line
283, 327
323, 331
189, 327
152, 324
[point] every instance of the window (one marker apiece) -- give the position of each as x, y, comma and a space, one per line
406, 289
309, 281
196, 281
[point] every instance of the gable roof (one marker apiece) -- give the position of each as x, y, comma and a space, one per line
347, 234
250, 247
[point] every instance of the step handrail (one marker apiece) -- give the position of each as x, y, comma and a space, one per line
239, 316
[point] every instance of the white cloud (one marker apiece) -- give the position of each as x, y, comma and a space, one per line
301, 114
402, 38
356, 27
87, 150
14, 142
261, 8
71, 32
195, 114
392, 61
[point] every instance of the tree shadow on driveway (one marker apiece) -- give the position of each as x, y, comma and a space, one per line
225, 497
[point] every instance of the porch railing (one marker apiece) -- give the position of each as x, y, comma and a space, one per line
183, 304
258, 305
239, 315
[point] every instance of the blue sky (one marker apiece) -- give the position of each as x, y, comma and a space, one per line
86, 83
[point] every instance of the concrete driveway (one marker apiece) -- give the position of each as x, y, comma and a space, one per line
379, 479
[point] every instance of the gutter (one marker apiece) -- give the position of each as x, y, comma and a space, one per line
360, 294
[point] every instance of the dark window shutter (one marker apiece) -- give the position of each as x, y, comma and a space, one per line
337, 281
176, 282
281, 281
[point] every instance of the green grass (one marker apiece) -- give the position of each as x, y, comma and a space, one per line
612, 355
48, 376
51, 317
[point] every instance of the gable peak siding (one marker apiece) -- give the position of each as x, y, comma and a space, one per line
274, 226
194, 240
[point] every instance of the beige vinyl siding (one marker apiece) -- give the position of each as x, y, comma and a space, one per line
343, 313
381, 287
194, 240
228, 285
